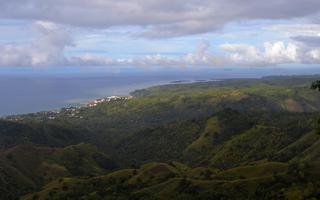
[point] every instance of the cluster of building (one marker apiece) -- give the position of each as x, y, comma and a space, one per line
39, 116
72, 112
107, 99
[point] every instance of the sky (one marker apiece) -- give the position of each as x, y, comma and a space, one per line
159, 33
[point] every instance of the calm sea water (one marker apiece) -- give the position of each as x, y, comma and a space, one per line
24, 92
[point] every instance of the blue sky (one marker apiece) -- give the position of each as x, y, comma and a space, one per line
176, 33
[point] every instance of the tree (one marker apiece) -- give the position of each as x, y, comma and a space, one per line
316, 85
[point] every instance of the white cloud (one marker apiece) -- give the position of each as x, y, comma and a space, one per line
242, 53
279, 52
201, 57
273, 53
48, 49
161, 19
314, 55
305, 45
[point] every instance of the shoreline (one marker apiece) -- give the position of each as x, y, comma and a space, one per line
82, 102
72, 109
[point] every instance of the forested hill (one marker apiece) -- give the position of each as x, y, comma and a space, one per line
227, 139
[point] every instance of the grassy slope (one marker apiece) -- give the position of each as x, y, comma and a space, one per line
25, 168
167, 181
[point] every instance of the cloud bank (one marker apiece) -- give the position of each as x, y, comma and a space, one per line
49, 50
158, 18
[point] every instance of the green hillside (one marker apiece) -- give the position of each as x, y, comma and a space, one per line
168, 181
230, 139
28, 167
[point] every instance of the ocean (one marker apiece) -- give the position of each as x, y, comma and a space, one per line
25, 91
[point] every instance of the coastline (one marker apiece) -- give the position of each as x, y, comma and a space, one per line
103, 92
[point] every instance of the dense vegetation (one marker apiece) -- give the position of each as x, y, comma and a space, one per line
231, 139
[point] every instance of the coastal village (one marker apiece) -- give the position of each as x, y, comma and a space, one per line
71, 112
107, 99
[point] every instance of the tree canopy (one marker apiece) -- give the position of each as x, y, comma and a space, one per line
316, 85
